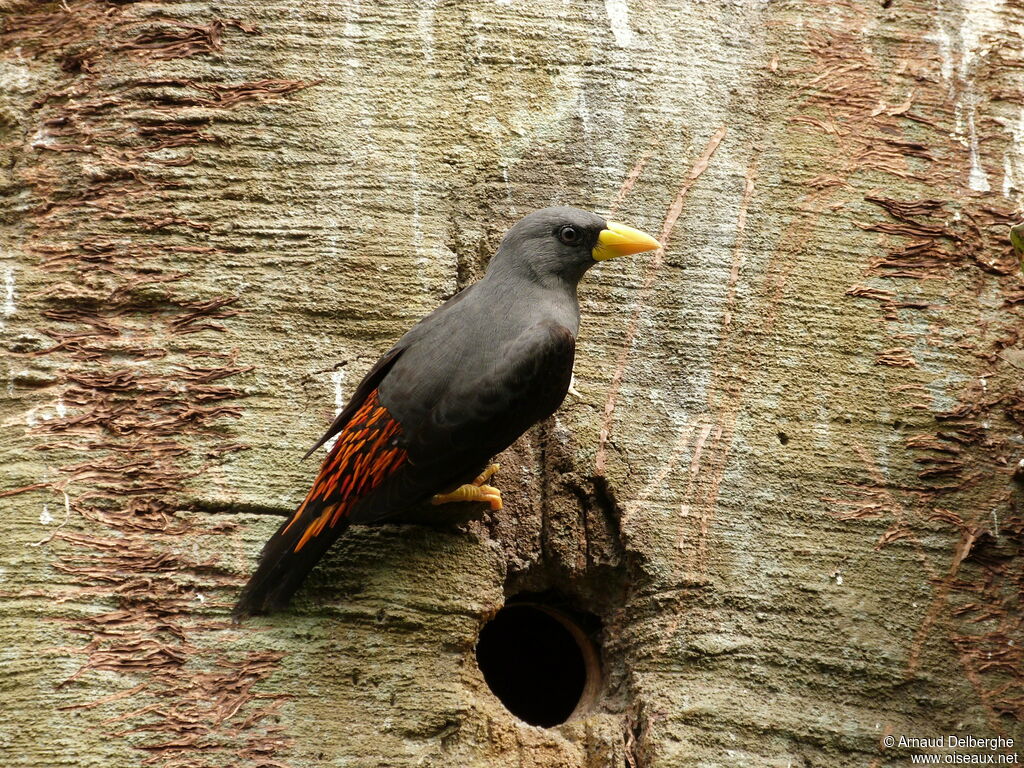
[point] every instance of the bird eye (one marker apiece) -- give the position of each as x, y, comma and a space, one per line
569, 235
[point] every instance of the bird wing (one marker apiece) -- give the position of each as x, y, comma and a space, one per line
369, 384
383, 366
484, 414
475, 417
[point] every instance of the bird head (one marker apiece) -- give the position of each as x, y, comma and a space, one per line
561, 244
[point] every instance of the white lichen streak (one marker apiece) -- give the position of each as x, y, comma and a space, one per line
42, 412
338, 380
426, 249
351, 32
425, 22
351, 28
16, 76
982, 20
416, 183
45, 518
9, 307
584, 112
977, 179
9, 292
618, 17
508, 188
1013, 158
42, 139
945, 44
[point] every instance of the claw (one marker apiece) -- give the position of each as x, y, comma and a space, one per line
475, 491
487, 474
491, 495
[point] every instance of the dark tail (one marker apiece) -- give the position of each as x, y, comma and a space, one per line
282, 569
364, 455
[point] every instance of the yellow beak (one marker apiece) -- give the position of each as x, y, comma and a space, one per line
620, 240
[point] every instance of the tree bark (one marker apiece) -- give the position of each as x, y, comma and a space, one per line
785, 488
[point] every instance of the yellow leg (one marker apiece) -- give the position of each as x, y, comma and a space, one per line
475, 491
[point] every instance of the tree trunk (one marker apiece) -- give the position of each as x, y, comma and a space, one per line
784, 492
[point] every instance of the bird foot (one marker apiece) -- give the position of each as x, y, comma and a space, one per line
475, 491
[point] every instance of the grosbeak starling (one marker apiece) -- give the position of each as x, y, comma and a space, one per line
459, 387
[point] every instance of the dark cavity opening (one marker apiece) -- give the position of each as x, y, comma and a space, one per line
538, 662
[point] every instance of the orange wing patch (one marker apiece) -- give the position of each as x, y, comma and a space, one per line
365, 453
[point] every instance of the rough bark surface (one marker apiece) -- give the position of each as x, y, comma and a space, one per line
785, 487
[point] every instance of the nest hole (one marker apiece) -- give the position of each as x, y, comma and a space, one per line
539, 662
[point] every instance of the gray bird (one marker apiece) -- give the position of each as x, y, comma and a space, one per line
459, 387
